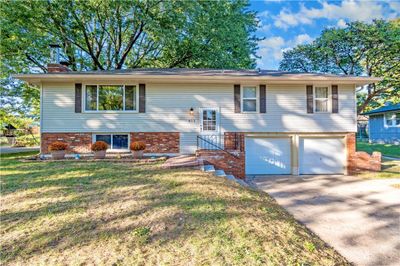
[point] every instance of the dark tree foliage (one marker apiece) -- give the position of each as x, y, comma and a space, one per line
359, 49
109, 34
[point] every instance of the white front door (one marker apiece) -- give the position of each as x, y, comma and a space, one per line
268, 156
322, 156
209, 128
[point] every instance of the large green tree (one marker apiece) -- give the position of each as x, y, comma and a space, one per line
109, 34
371, 49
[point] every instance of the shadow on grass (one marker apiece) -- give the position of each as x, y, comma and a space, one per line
89, 185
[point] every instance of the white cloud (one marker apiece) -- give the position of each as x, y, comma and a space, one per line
341, 23
286, 19
271, 49
348, 10
302, 39
264, 14
395, 6
263, 27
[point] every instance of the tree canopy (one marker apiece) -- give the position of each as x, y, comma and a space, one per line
106, 34
371, 49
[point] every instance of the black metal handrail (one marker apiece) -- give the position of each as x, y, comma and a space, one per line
216, 147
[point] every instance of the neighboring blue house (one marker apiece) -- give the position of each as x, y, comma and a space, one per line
384, 124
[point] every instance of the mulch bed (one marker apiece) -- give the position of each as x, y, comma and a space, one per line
91, 159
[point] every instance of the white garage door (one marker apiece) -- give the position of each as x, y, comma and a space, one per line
268, 156
322, 156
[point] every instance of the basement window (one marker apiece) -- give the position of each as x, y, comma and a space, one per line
114, 141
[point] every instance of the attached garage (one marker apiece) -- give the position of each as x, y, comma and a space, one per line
268, 156
322, 155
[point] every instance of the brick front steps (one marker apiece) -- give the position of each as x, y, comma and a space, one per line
183, 161
197, 162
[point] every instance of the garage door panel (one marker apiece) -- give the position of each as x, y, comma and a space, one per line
268, 156
322, 156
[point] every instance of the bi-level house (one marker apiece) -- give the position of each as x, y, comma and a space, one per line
255, 121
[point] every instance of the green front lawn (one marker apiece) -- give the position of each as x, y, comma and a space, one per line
386, 149
80, 213
390, 169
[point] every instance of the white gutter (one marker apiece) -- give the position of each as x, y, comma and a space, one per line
289, 78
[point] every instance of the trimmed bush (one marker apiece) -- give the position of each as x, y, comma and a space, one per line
138, 146
58, 146
99, 146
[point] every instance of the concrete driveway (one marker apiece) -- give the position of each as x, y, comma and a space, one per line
359, 218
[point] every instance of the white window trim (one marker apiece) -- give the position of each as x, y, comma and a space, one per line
217, 119
114, 133
393, 119
329, 108
109, 111
257, 98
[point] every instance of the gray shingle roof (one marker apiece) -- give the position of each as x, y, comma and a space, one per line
201, 72
384, 109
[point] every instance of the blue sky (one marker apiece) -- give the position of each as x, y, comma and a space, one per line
285, 24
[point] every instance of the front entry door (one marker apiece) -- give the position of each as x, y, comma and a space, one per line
209, 128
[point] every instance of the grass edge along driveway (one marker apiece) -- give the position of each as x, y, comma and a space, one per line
120, 213
389, 150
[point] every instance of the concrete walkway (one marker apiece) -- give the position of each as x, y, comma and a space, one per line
359, 218
8, 149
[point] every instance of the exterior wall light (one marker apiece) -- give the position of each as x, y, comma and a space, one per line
191, 115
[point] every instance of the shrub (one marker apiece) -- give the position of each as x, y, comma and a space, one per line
99, 146
58, 146
27, 141
138, 146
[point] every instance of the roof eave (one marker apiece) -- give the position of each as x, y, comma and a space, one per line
381, 112
37, 78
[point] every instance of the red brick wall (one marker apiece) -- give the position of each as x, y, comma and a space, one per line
77, 142
158, 142
224, 161
234, 141
360, 161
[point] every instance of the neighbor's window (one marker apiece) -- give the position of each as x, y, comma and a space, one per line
110, 98
114, 141
321, 99
392, 119
249, 99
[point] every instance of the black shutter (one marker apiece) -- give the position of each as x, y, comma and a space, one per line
236, 92
335, 99
78, 98
263, 103
142, 98
310, 99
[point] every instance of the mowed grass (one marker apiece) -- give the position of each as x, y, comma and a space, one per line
390, 169
386, 149
80, 213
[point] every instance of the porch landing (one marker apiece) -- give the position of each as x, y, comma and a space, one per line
183, 161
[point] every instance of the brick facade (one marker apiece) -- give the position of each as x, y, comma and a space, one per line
223, 160
77, 142
158, 142
358, 161
235, 141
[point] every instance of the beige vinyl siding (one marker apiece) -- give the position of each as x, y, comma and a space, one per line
167, 109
